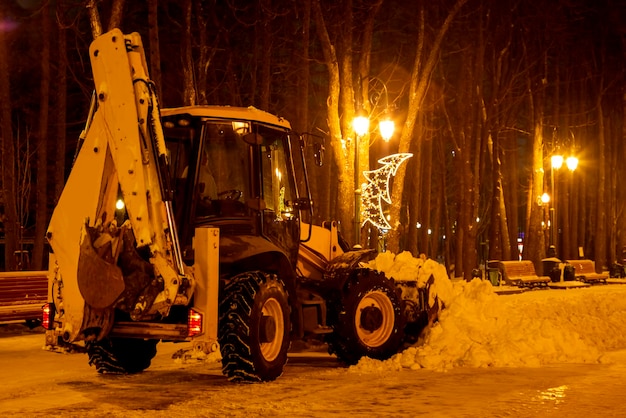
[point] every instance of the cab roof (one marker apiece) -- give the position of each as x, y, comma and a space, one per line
229, 112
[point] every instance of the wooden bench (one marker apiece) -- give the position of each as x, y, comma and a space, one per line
22, 294
585, 271
521, 273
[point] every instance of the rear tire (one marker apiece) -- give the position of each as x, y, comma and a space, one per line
121, 355
368, 321
254, 327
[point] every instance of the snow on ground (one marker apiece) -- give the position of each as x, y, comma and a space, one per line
479, 328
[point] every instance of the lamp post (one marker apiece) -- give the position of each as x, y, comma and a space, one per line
556, 163
360, 125
544, 202
568, 238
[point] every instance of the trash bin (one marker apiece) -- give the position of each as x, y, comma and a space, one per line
493, 272
551, 268
569, 272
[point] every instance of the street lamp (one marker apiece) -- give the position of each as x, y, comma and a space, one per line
361, 124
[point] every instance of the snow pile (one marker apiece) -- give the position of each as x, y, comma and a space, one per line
479, 328
405, 268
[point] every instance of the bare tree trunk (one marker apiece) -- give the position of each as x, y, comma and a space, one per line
363, 99
427, 199
504, 224
445, 210
320, 184
568, 242
266, 54
60, 111
189, 90
535, 248
612, 140
348, 149
467, 232
416, 241
511, 192
342, 150
155, 48
421, 74
9, 180
41, 216
117, 10
301, 123
535, 243
206, 53
621, 151
347, 106
575, 221
412, 242
94, 18
601, 225
495, 236
463, 214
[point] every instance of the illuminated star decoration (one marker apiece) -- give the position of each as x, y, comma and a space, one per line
376, 190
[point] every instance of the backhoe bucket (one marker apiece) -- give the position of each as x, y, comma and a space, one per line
100, 283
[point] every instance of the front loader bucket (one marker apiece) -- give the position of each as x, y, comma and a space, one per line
100, 283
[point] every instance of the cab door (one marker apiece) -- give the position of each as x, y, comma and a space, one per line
280, 220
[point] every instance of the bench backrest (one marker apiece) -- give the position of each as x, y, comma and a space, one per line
23, 287
518, 268
583, 266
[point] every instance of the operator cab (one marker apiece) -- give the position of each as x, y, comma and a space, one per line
232, 168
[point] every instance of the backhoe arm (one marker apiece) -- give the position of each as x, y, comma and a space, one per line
101, 260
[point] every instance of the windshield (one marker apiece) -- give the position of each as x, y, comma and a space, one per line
230, 167
223, 161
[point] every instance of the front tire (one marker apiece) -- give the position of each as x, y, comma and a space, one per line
121, 355
368, 321
254, 327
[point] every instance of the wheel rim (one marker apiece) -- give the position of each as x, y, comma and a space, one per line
271, 349
379, 303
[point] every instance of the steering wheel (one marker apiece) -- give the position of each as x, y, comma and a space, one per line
232, 194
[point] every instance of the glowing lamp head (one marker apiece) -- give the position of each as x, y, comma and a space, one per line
557, 161
572, 163
361, 125
386, 126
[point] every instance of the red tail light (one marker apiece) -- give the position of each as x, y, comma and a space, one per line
194, 323
47, 317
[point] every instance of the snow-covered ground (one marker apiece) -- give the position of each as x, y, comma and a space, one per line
480, 328
536, 353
